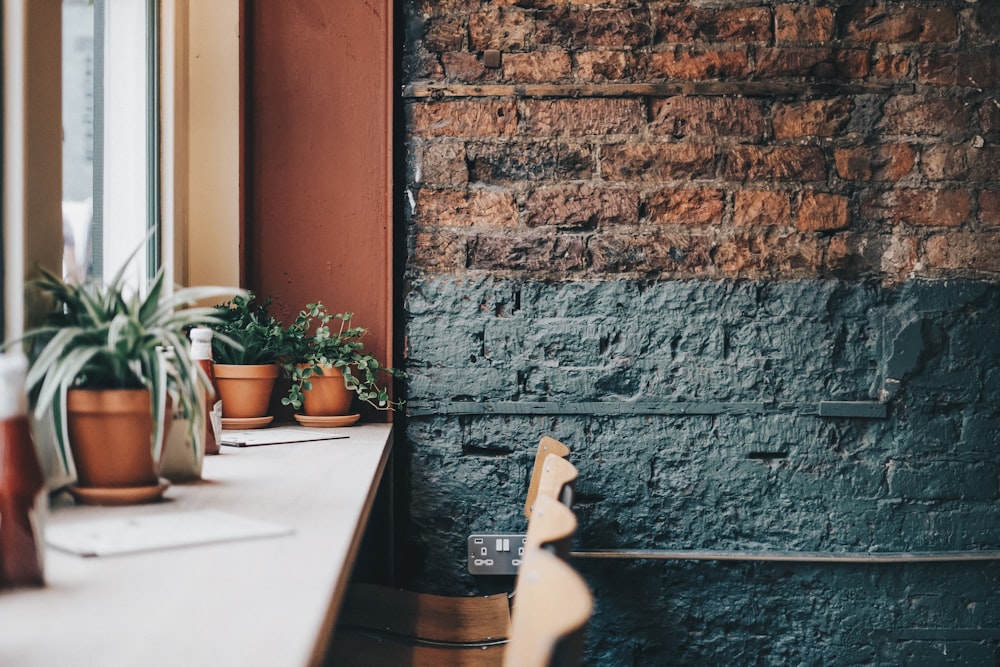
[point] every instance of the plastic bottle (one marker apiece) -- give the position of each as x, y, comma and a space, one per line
23, 502
201, 351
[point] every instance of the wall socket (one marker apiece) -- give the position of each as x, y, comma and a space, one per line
495, 553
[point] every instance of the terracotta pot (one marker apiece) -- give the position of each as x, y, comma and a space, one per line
110, 435
328, 396
245, 391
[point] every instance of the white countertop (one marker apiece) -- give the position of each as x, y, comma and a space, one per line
269, 601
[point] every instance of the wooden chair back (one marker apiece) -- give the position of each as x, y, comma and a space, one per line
546, 446
389, 627
360, 648
557, 479
551, 526
551, 610
381, 626
443, 618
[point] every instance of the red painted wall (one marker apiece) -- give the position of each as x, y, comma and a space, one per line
318, 110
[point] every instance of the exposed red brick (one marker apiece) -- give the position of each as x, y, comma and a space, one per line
465, 67
444, 33
532, 4
803, 23
889, 162
426, 66
444, 163
820, 211
762, 208
851, 63
651, 253
851, 255
654, 162
463, 118
917, 115
655, 204
448, 6
891, 66
989, 115
610, 27
821, 118
778, 163
899, 257
691, 24
823, 63
964, 251
538, 66
769, 253
686, 207
598, 66
476, 208
963, 162
979, 23
506, 30
694, 64
560, 253
708, 116
971, 69
581, 207
989, 208
587, 116
899, 23
529, 161
439, 251
920, 207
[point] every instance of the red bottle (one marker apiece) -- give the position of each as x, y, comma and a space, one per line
22, 483
201, 351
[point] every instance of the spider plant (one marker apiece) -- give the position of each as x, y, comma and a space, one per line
106, 336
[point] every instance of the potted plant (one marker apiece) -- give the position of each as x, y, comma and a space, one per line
328, 367
245, 375
98, 364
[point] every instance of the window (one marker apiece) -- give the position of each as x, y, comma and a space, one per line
199, 105
110, 138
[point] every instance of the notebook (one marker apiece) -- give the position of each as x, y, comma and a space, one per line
276, 436
110, 537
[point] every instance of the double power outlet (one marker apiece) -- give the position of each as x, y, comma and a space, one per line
495, 554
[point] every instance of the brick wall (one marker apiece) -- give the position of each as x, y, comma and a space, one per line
742, 208
709, 140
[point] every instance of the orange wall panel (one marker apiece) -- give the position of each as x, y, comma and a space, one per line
318, 177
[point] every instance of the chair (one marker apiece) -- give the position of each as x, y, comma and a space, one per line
546, 446
552, 608
389, 627
556, 480
382, 626
551, 527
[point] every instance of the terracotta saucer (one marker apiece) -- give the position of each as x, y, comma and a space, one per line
245, 422
127, 495
327, 422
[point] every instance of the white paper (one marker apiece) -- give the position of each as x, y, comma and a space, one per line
275, 436
109, 537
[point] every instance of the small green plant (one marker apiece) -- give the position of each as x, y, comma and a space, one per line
314, 344
106, 336
260, 337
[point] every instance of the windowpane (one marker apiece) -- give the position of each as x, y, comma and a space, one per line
78, 137
110, 130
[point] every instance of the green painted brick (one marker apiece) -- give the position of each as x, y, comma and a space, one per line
924, 478
945, 480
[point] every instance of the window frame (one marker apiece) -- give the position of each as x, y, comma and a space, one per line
200, 181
